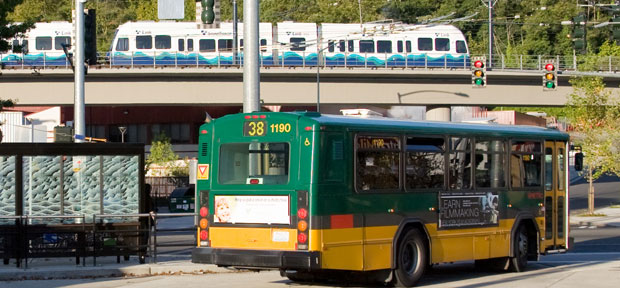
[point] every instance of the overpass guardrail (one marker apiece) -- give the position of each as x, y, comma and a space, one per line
607, 64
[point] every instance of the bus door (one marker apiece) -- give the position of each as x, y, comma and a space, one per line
555, 195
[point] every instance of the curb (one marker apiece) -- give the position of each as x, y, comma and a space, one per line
78, 272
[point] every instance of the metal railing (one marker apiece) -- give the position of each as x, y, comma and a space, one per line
309, 59
26, 237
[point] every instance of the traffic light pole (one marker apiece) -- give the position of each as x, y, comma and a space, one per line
490, 64
78, 58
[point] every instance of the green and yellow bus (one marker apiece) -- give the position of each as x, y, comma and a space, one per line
314, 194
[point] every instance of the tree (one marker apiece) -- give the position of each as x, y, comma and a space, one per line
163, 160
7, 28
594, 113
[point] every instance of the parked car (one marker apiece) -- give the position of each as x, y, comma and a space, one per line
182, 199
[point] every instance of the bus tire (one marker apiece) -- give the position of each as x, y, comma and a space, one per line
411, 259
518, 262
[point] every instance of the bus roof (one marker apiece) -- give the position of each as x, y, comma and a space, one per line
381, 125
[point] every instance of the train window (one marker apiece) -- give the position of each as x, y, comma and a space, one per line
341, 45
144, 42
460, 163
43, 43
461, 47
224, 45
489, 164
122, 44
25, 46
384, 46
425, 165
190, 44
263, 45
350, 45
240, 43
181, 45
399, 46
330, 46
425, 44
59, 40
367, 46
298, 44
442, 44
408, 46
15, 46
163, 42
206, 45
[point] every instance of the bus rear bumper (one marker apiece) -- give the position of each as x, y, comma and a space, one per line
307, 260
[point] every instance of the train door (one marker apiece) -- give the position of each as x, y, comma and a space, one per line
555, 196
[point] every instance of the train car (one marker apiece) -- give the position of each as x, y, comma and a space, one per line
41, 46
148, 43
394, 45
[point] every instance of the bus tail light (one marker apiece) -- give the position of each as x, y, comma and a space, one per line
203, 221
303, 221
302, 238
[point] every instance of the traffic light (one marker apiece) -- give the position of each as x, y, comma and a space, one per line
478, 72
550, 76
208, 15
90, 37
579, 33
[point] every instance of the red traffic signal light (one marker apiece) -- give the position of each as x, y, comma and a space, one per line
550, 67
478, 64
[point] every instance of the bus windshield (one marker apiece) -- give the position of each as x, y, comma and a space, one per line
254, 163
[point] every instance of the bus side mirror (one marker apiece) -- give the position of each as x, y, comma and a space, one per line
578, 161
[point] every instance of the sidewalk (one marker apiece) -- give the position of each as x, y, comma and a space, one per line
611, 218
65, 268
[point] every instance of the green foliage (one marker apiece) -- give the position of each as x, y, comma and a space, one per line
594, 113
7, 28
164, 157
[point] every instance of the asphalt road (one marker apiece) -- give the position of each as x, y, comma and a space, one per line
606, 193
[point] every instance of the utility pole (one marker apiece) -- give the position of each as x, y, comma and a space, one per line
490, 64
251, 69
79, 49
235, 35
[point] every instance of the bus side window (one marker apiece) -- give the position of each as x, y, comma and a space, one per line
377, 163
489, 164
460, 163
333, 160
526, 164
424, 162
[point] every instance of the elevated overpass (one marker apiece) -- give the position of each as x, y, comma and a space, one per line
287, 86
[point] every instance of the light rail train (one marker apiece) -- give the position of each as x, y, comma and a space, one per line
148, 43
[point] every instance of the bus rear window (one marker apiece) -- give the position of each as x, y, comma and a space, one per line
254, 163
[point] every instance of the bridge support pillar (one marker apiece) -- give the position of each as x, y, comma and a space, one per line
438, 113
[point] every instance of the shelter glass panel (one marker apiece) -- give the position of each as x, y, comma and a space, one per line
82, 185
121, 192
41, 186
7, 184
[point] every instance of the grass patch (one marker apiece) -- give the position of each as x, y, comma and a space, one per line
615, 206
592, 215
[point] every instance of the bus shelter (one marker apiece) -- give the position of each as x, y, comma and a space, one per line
72, 199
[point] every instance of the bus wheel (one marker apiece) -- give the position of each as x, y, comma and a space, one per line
411, 259
518, 262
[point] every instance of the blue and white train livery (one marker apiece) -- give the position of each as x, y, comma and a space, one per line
156, 44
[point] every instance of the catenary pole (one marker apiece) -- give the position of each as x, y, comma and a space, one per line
79, 106
251, 72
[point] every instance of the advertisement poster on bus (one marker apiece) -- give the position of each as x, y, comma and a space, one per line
252, 209
458, 210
